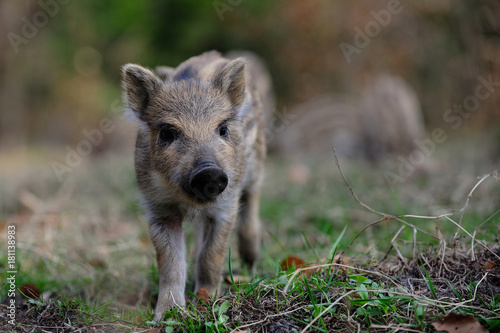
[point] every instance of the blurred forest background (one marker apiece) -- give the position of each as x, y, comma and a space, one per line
60, 84
60, 59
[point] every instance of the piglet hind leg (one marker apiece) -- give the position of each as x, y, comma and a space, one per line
249, 227
168, 240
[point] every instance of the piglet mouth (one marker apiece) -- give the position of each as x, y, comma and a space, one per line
207, 181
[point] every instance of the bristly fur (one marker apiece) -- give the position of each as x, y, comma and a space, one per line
206, 113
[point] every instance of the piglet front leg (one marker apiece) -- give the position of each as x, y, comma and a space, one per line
168, 240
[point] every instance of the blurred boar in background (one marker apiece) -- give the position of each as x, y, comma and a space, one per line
386, 119
391, 118
199, 157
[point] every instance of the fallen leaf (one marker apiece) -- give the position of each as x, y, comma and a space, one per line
153, 330
489, 265
293, 261
30, 290
453, 323
203, 295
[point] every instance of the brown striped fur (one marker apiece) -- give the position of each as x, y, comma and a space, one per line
195, 100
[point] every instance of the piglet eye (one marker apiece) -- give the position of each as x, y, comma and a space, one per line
223, 130
168, 134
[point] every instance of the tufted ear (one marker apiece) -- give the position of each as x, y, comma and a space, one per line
231, 80
164, 72
139, 85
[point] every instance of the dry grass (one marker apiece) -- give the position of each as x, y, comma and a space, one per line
417, 252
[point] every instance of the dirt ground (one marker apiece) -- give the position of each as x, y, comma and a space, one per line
451, 271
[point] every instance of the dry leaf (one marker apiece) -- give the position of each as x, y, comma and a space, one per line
292, 261
30, 290
153, 330
203, 295
453, 323
489, 265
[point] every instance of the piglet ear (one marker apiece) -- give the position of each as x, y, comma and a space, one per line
231, 80
139, 86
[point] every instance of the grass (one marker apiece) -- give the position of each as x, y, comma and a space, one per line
84, 244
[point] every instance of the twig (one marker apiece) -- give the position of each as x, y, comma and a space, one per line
462, 210
385, 216
400, 217
473, 189
489, 218
350, 187
473, 256
475, 292
420, 299
393, 243
414, 243
397, 217
387, 253
463, 229
441, 263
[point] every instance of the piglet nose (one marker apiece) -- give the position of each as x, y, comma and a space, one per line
207, 181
